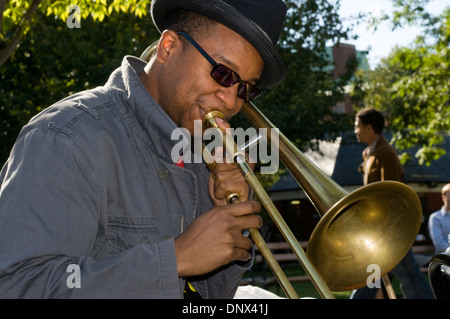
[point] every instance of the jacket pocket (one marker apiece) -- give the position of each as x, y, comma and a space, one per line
124, 233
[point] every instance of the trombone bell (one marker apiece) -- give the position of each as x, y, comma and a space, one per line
374, 226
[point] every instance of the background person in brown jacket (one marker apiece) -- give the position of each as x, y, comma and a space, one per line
381, 163
380, 158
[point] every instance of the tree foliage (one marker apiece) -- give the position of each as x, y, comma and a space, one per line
18, 17
54, 61
412, 85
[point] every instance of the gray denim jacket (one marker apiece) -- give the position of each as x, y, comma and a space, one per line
90, 200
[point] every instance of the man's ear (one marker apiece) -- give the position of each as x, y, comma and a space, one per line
168, 42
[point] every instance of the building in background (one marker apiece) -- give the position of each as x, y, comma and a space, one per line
339, 55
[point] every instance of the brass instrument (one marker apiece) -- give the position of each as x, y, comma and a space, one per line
209, 121
374, 225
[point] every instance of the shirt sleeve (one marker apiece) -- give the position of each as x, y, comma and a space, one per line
439, 238
51, 222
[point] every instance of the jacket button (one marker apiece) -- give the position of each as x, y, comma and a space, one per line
163, 173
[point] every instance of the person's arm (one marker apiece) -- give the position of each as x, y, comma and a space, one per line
390, 167
53, 222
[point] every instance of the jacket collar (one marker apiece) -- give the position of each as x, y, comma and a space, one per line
142, 113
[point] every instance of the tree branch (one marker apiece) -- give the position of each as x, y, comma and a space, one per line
15, 40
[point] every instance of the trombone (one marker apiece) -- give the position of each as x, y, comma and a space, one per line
374, 225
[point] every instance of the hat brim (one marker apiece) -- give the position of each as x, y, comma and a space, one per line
274, 68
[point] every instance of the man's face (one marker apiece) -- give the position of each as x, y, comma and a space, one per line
362, 131
189, 91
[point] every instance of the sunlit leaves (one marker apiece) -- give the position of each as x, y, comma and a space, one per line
18, 17
412, 86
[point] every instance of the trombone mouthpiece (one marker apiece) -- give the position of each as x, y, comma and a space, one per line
209, 120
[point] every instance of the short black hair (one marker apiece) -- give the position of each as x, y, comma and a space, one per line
190, 22
373, 117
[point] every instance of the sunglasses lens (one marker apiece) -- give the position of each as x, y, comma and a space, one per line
248, 92
254, 93
224, 76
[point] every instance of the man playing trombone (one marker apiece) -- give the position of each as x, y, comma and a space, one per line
91, 203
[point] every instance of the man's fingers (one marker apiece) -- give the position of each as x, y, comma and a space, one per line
242, 254
244, 208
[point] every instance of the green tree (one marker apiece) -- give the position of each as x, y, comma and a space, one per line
18, 17
412, 85
55, 61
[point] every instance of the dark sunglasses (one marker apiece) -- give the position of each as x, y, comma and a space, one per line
225, 76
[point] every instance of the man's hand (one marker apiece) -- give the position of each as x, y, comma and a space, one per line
215, 238
226, 176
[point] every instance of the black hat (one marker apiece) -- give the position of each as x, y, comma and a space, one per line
258, 21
